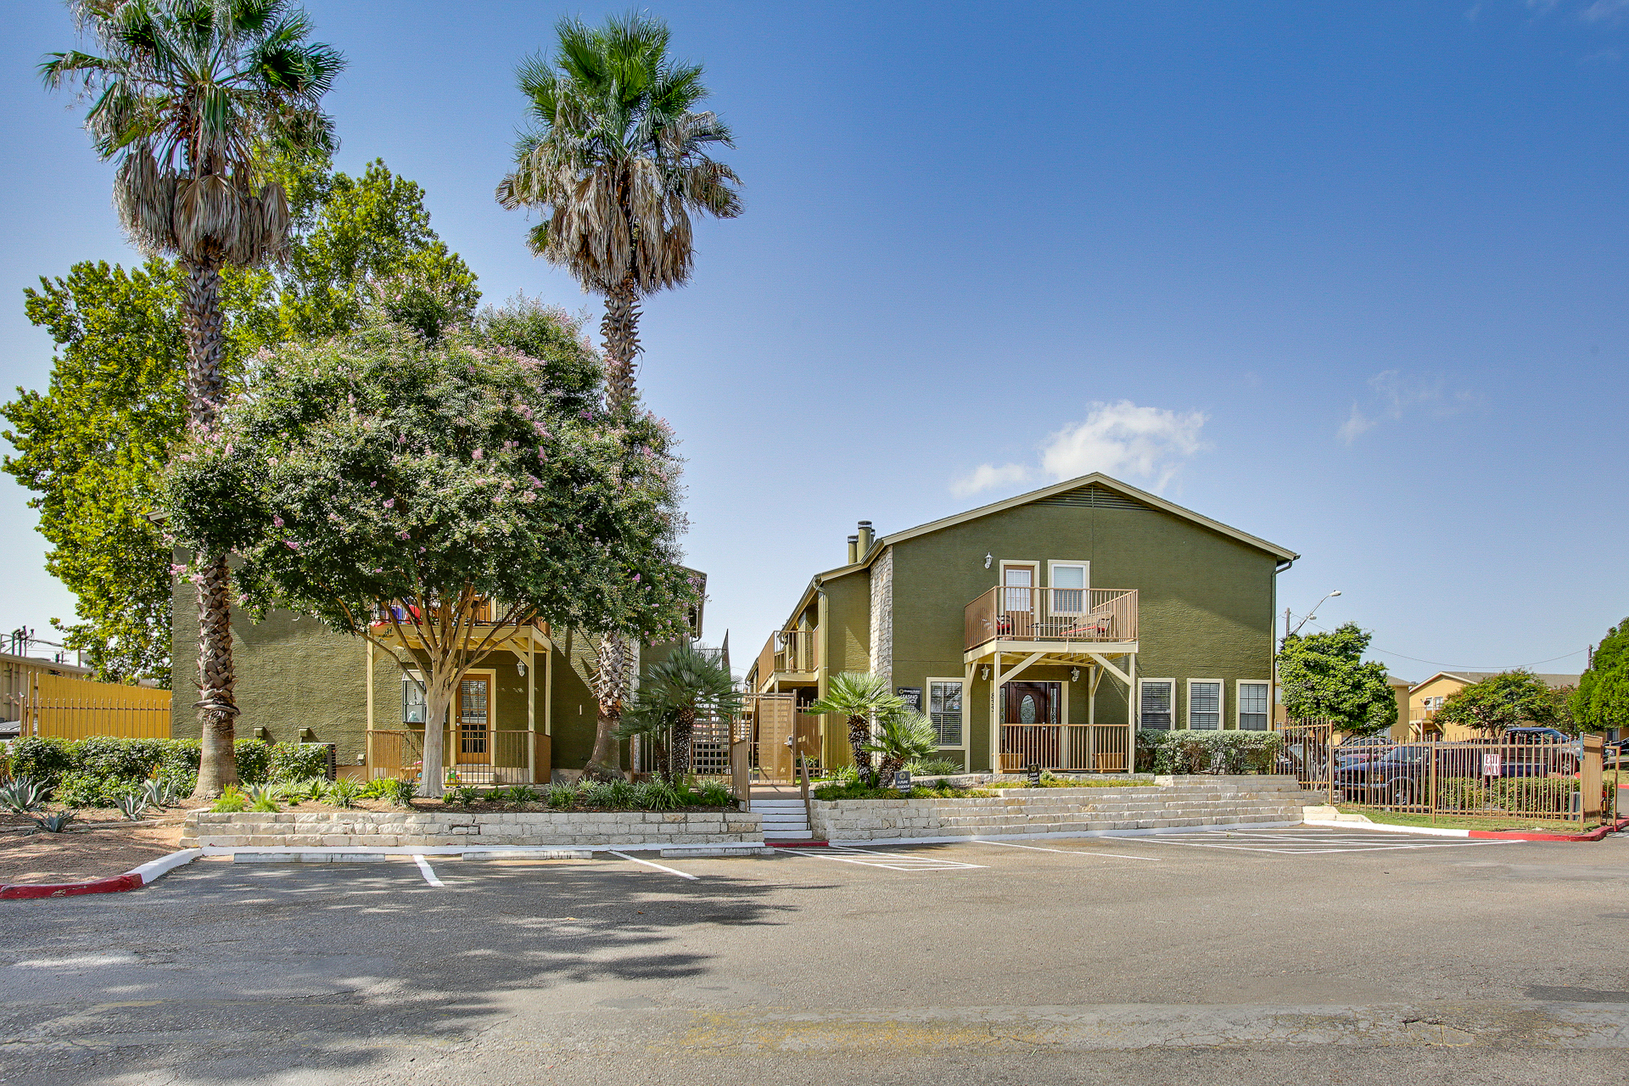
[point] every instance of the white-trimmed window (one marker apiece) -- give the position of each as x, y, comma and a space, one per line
945, 710
1253, 706
413, 707
1069, 582
1205, 704
1154, 703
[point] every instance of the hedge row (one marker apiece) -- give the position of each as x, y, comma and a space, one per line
1207, 751
91, 772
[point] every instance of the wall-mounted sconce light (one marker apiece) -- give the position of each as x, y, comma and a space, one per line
520, 666
988, 558
986, 675
1074, 674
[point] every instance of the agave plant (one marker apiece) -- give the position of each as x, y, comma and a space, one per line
56, 823
156, 793
131, 804
23, 795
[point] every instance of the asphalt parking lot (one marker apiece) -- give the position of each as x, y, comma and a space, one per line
1258, 956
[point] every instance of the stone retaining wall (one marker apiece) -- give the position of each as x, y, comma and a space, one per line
1167, 803
439, 829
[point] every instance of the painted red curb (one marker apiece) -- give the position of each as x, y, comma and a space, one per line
1593, 835
114, 885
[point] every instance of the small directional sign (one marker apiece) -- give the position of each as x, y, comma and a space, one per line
902, 781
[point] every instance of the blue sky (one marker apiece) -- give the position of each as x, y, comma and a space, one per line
1348, 277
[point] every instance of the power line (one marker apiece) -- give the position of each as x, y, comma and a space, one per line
1462, 667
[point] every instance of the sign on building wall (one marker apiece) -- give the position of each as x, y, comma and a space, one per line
911, 696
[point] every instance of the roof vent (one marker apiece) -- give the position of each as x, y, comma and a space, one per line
866, 537
853, 549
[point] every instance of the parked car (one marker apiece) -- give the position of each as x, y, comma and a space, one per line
1357, 749
1539, 752
1397, 777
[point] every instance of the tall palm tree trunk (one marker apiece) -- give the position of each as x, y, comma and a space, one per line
859, 734
684, 728
206, 392
620, 327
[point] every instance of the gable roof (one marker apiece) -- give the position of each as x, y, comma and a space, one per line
1095, 489
1085, 490
1553, 681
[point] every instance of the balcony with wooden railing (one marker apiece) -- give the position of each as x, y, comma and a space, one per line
1052, 616
788, 653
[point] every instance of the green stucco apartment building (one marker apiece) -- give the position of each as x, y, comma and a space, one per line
524, 713
1069, 616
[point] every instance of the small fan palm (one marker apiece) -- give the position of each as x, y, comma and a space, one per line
859, 696
190, 96
681, 688
903, 735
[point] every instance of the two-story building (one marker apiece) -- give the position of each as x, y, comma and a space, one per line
1044, 629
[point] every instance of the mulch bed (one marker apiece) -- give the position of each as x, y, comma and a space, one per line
101, 844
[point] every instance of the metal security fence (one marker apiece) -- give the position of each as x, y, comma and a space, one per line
1524, 774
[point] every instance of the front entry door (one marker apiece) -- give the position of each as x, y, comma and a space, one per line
474, 721
1029, 735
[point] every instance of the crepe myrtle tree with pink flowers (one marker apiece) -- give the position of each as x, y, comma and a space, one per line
389, 484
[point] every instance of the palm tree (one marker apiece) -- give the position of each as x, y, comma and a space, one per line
676, 691
859, 696
190, 97
903, 735
618, 161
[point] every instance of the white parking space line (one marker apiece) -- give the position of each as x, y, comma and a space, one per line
1070, 851
659, 867
427, 871
1302, 844
892, 861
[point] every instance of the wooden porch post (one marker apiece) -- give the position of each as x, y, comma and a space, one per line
531, 704
367, 737
995, 715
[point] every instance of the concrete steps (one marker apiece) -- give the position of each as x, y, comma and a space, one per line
784, 819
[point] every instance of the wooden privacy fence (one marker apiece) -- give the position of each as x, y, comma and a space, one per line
1518, 774
65, 707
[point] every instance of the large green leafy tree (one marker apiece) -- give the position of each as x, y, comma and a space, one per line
1324, 676
93, 444
189, 97
1601, 701
390, 485
618, 161
1507, 700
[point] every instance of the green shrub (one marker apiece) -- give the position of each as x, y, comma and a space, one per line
560, 797
522, 793
934, 767
231, 801
462, 796
88, 790
659, 796
1187, 752
859, 791
400, 793
298, 761
344, 792
42, 760
714, 794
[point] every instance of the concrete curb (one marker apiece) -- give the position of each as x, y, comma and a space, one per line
321, 854
1480, 835
134, 879
960, 838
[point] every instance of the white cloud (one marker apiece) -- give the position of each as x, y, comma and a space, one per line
1603, 9
1123, 439
1398, 395
986, 476
1119, 439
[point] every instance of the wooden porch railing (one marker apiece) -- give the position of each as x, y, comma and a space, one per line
1075, 748
798, 651
1052, 614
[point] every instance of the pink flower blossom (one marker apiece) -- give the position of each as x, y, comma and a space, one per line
291, 545
390, 503
401, 535
277, 522
479, 455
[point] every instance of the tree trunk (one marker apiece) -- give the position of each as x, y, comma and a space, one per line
885, 772
437, 700
620, 327
684, 727
206, 393
859, 734
610, 685
621, 331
